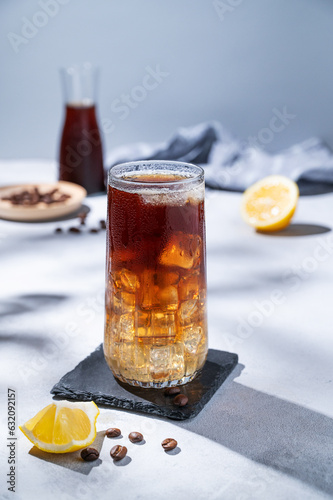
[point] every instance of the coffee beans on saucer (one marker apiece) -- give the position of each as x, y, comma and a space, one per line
33, 197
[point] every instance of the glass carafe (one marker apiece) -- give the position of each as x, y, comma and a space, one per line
81, 156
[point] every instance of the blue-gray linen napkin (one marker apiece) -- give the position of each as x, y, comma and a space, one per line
234, 165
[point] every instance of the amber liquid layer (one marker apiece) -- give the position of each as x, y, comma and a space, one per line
155, 332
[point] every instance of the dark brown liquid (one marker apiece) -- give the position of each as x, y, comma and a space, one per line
156, 287
81, 157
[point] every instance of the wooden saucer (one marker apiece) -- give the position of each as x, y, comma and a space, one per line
41, 211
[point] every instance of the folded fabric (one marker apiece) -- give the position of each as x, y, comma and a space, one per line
234, 165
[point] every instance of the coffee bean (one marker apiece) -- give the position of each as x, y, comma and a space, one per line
74, 230
89, 454
93, 230
118, 452
169, 444
82, 216
102, 224
58, 230
135, 437
180, 400
113, 432
31, 198
171, 391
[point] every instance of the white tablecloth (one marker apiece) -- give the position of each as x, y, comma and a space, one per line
266, 434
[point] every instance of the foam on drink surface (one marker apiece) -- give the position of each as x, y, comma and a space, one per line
156, 188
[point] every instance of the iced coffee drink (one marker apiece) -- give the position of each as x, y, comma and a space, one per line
155, 329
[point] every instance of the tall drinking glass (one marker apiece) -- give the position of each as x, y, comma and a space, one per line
155, 328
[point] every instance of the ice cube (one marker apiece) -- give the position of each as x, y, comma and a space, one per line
115, 280
189, 286
111, 352
126, 351
167, 361
141, 362
143, 320
116, 303
129, 280
160, 358
148, 289
182, 250
188, 311
111, 328
166, 278
123, 302
168, 297
126, 327
192, 337
178, 366
163, 324
134, 361
128, 301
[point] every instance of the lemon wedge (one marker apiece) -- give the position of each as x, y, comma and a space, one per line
62, 426
269, 204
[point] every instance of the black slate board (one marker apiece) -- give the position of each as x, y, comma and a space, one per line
92, 380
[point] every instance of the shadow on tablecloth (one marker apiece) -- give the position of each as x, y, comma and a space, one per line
276, 433
299, 229
27, 303
72, 461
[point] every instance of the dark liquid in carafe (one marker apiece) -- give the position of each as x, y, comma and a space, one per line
81, 156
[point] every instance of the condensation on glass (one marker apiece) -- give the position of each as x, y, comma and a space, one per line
155, 328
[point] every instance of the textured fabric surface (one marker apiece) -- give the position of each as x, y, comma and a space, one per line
234, 165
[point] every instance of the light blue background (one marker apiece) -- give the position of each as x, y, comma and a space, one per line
235, 67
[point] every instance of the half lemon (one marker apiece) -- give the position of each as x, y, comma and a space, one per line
269, 204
